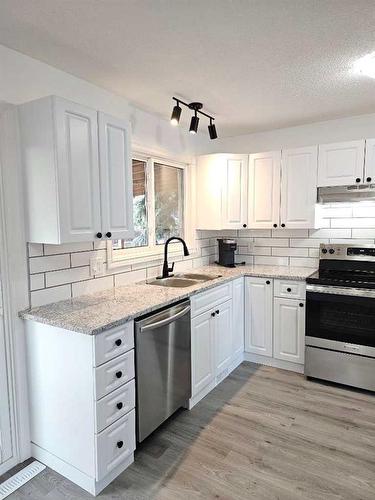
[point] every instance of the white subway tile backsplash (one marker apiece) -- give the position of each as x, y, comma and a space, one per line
92, 286
50, 263
37, 281
83, 258
35, 249
290, 252
363, 211
330, 233
308, 242
130, 277
250, 233
336, 212
367, 222
67, 276
271, 242
273, 261
261, 251
290, 233
67, 248
48, 295
304, 262
363, 233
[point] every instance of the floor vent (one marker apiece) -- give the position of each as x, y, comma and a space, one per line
13, 483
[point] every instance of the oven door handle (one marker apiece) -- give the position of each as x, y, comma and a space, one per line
333, 290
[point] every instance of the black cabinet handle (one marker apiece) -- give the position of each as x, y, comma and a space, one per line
120, 444
301, 304
283, 225
119, 374
275, 225
119, 406
358, 179
118, 342
213, 314
288, 289
244, 225
99, 235
368, 179
109, 234
217, 311
268, 282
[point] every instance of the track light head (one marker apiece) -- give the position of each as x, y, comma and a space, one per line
194, 124
176, 113
212, 130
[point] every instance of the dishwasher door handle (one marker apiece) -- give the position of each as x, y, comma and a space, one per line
165, 321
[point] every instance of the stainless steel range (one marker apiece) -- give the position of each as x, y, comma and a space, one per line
340, 316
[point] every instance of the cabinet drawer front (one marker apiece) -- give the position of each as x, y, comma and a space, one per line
205, 300
115, 405
114, 374
114, 445
290, 289
114, 342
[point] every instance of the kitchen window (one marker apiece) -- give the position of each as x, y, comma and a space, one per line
159, 207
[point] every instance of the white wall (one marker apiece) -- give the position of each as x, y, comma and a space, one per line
23, 79
344, 129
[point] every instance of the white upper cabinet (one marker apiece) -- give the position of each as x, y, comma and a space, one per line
222, 191
341, 163
369, 174
264, 190
258, 316
116, 185
298, 187
289, 330
72, 194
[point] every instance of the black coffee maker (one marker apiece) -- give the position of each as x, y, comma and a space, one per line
227, 248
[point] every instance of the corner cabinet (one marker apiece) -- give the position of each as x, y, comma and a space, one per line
222, 191
78, 177
258, 319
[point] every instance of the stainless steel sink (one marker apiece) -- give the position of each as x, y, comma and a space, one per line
183, 280
173, 282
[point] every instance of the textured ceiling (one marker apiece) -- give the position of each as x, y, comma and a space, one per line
255, 64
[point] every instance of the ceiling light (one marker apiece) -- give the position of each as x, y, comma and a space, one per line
194, 124
212, 130
176, 113
365, 65
197, 108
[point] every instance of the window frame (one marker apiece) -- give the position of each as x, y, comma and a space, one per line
121, 257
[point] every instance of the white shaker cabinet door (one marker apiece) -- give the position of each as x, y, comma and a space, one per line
202, 351
234, 191
78, 171
341, 163
223, 336
116, 185
258, 316
289, 330
369, 177
264, 190
298, 187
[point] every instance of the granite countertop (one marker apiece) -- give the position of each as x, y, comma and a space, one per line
91, 314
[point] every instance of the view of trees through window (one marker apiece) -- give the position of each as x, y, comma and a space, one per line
165, 215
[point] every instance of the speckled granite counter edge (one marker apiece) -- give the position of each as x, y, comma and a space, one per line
34, 314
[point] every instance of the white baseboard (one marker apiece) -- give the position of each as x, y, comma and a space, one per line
75, 475
277, 363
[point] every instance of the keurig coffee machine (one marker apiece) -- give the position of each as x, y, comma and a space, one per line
227, 248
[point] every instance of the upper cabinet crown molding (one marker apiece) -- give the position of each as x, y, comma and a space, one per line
222, 191
77, 172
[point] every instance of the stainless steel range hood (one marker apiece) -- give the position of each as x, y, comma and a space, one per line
339, 194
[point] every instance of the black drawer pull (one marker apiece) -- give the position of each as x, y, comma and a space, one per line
213, 314
99, 235
275, 225
301, 304
217, 311
244, 225
118, 342
119, 374
288, 289
120, 444
109, 234
119, 406
282, 225
268, 282
368, 179
358, 179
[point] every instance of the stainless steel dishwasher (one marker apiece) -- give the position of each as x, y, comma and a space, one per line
163, 365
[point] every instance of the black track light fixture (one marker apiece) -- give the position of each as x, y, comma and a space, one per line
212, 129
194, 123
176, 113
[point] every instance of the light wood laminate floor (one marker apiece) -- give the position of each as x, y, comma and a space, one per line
263, 433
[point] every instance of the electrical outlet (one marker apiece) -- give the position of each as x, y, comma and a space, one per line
96, 266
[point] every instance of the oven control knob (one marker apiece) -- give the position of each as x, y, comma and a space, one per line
324, 250
331, 251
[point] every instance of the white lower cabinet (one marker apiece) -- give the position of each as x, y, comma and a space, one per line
82, 399
223, 338
275, 323
289, 329
258, 316
238, 317
202, 352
